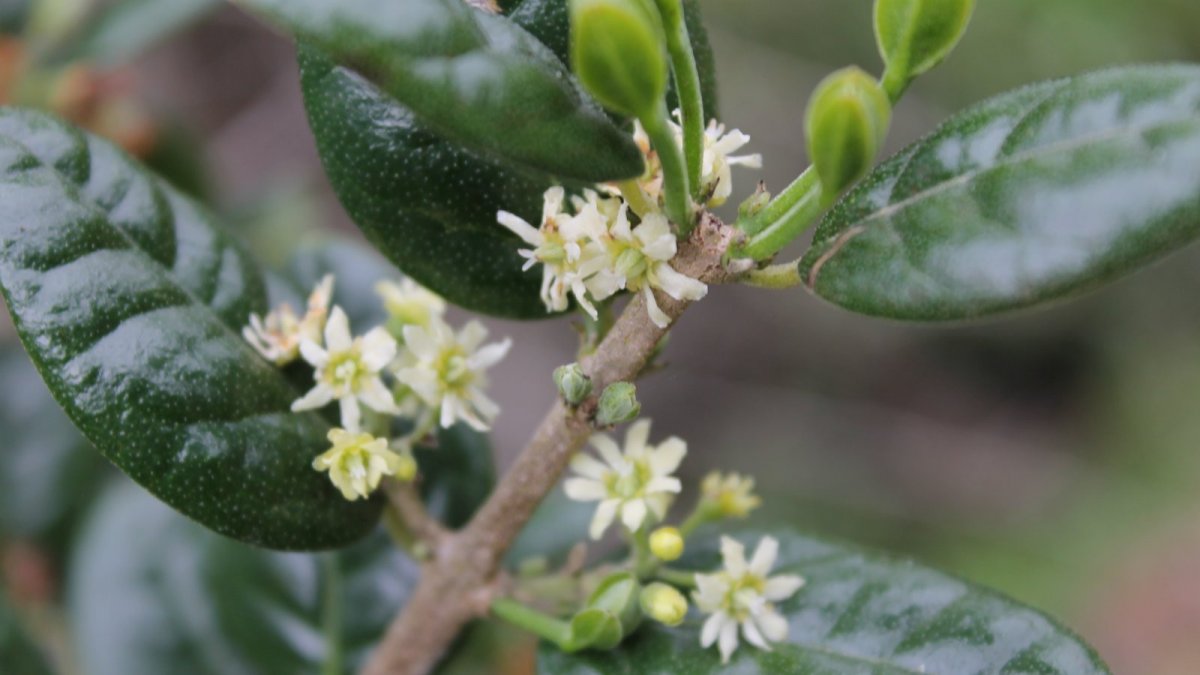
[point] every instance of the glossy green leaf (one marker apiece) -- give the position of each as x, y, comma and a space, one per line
48, 472
427, 205
154, 593
470, 76
121, 30
129, 299
857, 613
1029, 197
549, 21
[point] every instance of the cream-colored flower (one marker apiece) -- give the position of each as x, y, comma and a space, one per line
357, 462
732, 495
278, 335
408, 302
565, 246
639, 260
348, 370
636, 483
743, 595
715, 173
447, 371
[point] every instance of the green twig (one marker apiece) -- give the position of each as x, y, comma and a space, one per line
540, 624
687, 85
785, 218
675, 181
679, 578
777, 277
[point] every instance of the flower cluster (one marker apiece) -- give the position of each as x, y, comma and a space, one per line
415, 366
636, 484
596, 244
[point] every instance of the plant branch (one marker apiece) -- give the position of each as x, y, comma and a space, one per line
461, 581
404, 501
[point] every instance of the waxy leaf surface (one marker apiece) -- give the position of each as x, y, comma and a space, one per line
1030, 197
472, 77
858, 613
130, 299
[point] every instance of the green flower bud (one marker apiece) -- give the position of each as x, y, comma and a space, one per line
664, 604
618, 404
755, 203
847, 123
916, 35
573, 384
595, 629
666, 543
618, 50
619, 595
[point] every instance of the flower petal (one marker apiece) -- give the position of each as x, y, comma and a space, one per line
589, 467
659, 318
773, 624
782, 587
750, 632
667, 457
472, 335
378, 397
663, 484
734, 556
633, 514
489, 355
712, 628
609, 451
378, 349
764, 556
677, 285
635, 438
317, 397
727, 642
584, 490
314, 354
337, 331
605, 513
351, 414
519, 227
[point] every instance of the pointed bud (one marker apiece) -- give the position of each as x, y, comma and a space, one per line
618, 404
618, 50
573, 384
595, 629
847, 123
916, 35
619, 594
755, 203
664, 604
666, 543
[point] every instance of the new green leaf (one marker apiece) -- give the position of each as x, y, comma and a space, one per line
473, 77
1030, 197
129, 299
857, 613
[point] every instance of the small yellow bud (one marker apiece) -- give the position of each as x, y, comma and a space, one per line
406, 468
666, 543
664, 604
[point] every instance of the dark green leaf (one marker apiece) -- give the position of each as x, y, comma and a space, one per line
457, 475
129, 299
18, 653
556, 527
154, 593
47, 470
427, 205
121, 30
471, 76
857, 613
1030, 197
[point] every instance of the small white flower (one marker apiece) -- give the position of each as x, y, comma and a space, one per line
409, 302
640, 261
357, 462
447, 371
347, 370
719, 146
743, 594
278, 336
635, 483
565, 246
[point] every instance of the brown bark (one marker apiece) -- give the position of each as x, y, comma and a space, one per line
461, 579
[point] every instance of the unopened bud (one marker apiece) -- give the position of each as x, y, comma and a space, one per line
618, 50
755, 203
573, 384
619, 594
664, 604
666, 543
618, 404
406, 468
916, 35
847, 123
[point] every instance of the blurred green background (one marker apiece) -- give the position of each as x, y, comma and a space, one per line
1051, 455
